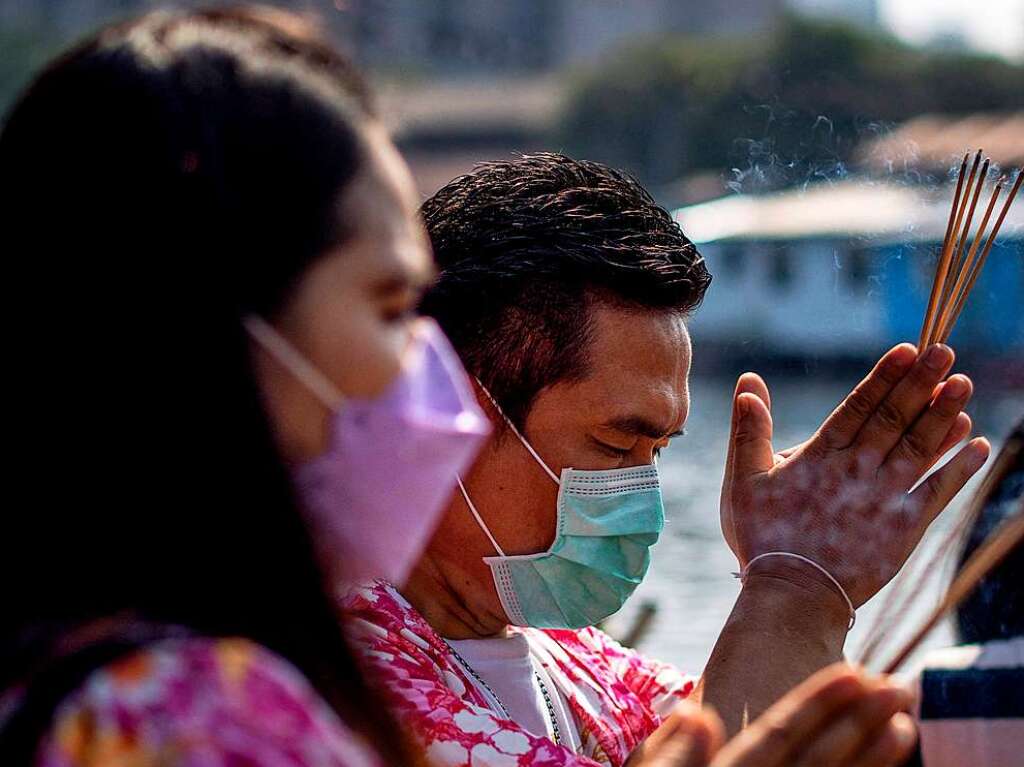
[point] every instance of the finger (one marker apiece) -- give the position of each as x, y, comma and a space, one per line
933, 495
752, 440
689, 737
747, 383
961, 430
918, 449
716, 728
840, 428
754, 384
899, 410
889, 746
777, 735
667, 729
846, 736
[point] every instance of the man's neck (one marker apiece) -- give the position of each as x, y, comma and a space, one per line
451, 611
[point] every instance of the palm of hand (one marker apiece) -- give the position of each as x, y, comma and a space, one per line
842, 498
830, 510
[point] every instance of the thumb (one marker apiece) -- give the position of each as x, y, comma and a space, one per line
754, 384
689, 737
751, 437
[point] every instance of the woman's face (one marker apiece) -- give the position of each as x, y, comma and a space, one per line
352, 312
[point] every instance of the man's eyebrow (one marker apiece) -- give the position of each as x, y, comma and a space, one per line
633, 424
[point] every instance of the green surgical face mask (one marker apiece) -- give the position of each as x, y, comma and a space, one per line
607, 522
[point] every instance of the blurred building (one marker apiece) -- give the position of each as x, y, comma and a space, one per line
459, 37
467, 80
443, 128
467, 37
935, 143
845, 269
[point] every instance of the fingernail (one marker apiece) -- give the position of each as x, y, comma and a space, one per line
901, 358
955, 388
937, 357
904, 731
979, 454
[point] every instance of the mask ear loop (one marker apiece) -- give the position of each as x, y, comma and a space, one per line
462, 488
478, 518
515, 431
281, 350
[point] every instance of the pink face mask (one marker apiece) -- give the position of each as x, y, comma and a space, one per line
376, 494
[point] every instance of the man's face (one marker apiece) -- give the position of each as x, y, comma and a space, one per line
633, 400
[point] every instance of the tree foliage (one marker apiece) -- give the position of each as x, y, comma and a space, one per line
24, 50
774, 110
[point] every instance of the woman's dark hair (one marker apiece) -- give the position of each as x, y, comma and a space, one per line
160, 181
995, 610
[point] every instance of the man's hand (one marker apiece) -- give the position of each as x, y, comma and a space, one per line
838, 717
688, 737
846, 498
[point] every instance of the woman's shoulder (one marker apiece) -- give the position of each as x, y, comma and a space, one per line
199, 700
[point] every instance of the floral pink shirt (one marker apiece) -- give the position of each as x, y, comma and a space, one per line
617, 697
199, 703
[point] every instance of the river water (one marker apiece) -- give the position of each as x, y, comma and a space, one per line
690, 580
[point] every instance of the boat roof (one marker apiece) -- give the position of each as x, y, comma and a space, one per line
938, 141
854, 208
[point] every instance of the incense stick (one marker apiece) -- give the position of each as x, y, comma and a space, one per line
976, 269
1005, 460
926, 328
1008, 536
965, 268
958, 266
881, 626
943, 259
957, 261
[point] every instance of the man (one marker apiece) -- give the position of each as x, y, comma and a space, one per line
565, 290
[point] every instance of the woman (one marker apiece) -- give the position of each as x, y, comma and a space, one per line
217, 260
971, 700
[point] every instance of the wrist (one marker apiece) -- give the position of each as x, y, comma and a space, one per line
786, 624
792, 592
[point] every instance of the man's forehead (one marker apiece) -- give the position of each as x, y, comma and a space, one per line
644, 405
629, 344
639, 363
624, 329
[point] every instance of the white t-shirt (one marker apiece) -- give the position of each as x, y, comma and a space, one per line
508, 667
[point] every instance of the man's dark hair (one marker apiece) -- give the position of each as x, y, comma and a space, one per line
526, 247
